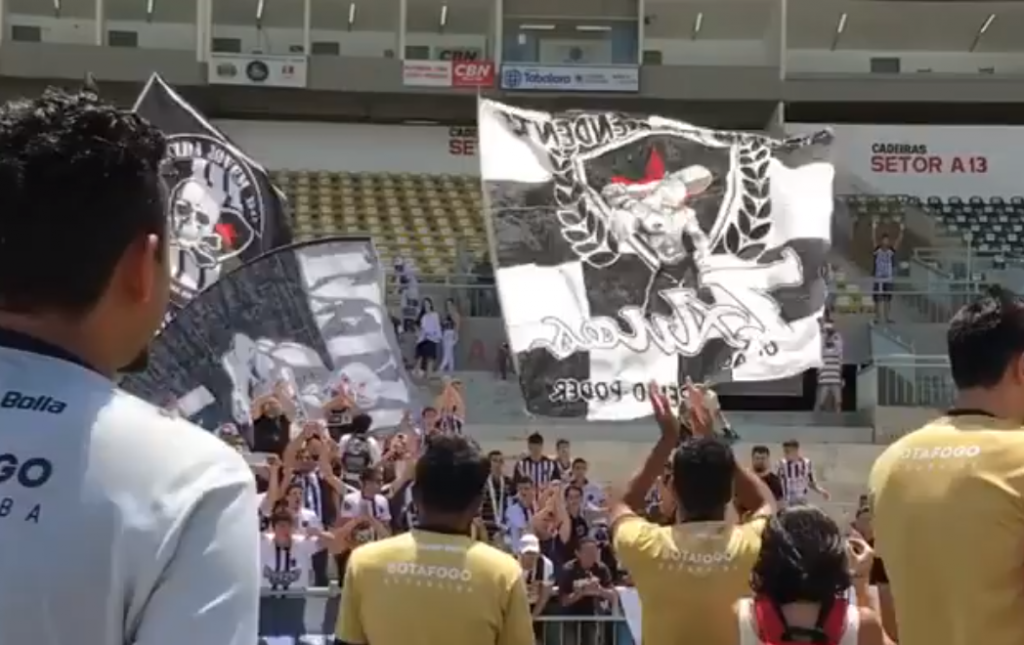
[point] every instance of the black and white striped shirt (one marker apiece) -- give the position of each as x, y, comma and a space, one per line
312, 493
287, 566
797, 477
831, 370
541, 471
884, 261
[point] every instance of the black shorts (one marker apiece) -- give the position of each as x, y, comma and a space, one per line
426, 350
883, 291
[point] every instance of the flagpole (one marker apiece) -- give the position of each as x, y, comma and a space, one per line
492, 240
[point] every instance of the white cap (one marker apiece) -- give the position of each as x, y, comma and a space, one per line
529, 544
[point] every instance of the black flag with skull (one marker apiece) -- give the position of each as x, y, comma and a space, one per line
222, 209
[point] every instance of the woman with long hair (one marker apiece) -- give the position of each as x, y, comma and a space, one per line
428, 341
802, 582
449, 335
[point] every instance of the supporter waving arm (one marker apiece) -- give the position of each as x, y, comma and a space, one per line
861, 556
561, 513
275, 488
631, 500
325, 464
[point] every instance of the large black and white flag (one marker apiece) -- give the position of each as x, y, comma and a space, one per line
310, 316
222, 209
638, 248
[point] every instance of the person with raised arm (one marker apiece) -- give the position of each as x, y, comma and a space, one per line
688, 574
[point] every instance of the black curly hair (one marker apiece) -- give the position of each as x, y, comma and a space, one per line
802, 559
450, 475
702, 476
985, 337
79, 183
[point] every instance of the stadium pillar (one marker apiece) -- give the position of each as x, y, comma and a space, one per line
783, 10
3, 19
307, 27
101, 23
403, 10
777, 123
204, 28
641, 23
498, 46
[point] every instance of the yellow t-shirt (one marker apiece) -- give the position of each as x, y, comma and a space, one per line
688, 576
444, 588
948, 505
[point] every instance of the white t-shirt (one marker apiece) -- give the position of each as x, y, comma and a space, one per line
517, 522
430, 327
287, 568
159, 516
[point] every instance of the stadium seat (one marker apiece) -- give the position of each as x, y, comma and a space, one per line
423, 218
993, 227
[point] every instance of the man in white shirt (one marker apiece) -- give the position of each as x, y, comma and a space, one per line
538, 574
519, 513
159, 516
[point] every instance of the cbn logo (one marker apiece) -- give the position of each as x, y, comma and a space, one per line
14, 400
512, 78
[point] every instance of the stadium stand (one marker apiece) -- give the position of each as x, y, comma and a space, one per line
419, 217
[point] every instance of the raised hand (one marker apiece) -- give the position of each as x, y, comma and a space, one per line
701, 421
859, 555
667, 421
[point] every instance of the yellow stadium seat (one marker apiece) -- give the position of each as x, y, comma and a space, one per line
423, 218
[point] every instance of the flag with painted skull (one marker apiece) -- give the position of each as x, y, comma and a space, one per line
665, 249
222, 209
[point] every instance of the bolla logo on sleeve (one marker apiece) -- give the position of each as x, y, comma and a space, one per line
215, 211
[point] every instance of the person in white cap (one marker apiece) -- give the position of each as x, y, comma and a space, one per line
538, 573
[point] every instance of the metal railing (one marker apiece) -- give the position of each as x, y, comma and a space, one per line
914, 381
309, 616
937, 304
965, 261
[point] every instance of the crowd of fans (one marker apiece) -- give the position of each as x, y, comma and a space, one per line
327, 488
162, 517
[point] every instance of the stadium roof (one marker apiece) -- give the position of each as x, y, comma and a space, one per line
880, 25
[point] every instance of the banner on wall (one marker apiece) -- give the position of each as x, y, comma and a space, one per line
584, 78
257, 70
924, 161
222, 209
665, 250
448, 73
310, 317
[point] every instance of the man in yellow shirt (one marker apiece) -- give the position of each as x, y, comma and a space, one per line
436, 584
690, 574
948, 499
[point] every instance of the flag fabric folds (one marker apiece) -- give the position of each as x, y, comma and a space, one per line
638, 248
222, 209
307, 319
